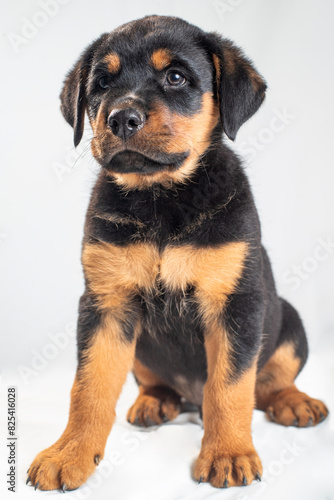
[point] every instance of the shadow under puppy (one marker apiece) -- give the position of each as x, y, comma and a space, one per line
178, 285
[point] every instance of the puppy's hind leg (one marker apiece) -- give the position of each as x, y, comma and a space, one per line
156, 403
276, 393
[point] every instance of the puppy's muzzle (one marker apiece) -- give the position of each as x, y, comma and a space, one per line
126, 122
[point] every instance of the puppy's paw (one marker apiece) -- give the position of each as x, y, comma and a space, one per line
64, 468
291, 407
154, 407
222, 470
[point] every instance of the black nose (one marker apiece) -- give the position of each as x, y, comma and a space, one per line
126, 122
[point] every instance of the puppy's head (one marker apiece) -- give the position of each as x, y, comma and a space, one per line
156, 90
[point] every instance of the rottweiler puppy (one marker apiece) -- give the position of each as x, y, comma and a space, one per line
179, 288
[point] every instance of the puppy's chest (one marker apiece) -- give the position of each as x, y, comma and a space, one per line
143, 268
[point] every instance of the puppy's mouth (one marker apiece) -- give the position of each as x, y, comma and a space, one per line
132, 162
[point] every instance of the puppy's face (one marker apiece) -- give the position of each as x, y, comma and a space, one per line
151, 104
153, 90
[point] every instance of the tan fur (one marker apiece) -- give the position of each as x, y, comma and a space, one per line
213, 271
277, 395
216, 62
227, 406
113, 61
154, 406
187, 134
291, 407
156, 402
278, 373
101, 133
98, 383
227, 452
115, 272
145, 376
161, 58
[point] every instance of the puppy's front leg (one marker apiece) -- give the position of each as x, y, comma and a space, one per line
109, 320
227, 456
105, 357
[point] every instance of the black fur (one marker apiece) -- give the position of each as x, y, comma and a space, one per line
172, 342
89, 319
159, 93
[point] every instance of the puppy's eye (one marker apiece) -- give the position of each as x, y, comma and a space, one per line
103, 82
175, 79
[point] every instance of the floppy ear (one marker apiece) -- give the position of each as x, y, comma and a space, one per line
73, 94
240, 88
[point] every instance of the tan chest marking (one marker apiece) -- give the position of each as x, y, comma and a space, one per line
214, 272
114, 272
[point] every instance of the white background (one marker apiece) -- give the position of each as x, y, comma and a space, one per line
44, 191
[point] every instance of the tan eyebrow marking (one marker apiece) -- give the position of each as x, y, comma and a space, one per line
161, 58
113, 61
